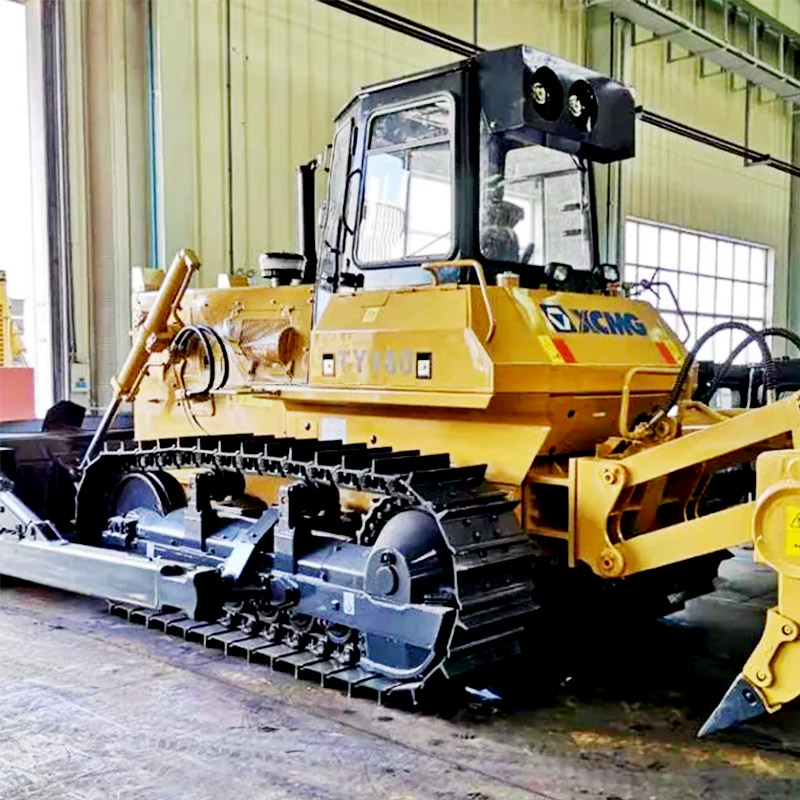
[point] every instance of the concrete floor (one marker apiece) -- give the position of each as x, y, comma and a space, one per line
93, 707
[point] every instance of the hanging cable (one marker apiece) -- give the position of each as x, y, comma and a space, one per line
187, 403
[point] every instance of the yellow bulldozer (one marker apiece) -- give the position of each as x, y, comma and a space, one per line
380, 463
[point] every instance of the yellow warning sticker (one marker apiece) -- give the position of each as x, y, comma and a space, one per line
371, 314
793, 531
552, 351
674, 350
660, 335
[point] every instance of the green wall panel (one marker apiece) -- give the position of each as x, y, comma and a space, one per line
678, 181
787, 12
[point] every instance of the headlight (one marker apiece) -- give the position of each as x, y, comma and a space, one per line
558, 273
561, 273
582, 105
575, 106
547, 93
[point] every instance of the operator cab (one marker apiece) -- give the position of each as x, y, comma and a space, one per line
487, 159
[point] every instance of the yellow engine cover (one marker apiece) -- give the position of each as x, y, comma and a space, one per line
494, 378
543, 342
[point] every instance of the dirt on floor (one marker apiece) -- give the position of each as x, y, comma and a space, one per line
93, 707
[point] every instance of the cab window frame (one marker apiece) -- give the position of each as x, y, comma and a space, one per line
345, 127
452, 139
583, 173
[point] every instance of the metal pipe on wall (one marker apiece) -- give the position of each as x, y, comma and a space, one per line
444, 40
61, 308
401, 24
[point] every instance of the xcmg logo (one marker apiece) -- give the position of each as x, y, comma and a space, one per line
593, 320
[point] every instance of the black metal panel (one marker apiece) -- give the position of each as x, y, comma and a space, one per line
455, 82
507, 78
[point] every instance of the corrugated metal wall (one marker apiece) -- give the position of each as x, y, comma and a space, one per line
787, 12
108, 161
290, 65
685, 183
282, 68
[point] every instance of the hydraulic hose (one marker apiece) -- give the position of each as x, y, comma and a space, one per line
680, 381
204, 334
719, 376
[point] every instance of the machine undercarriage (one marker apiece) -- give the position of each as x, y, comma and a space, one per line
435, 576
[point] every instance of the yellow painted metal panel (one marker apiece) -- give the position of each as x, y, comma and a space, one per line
694, 537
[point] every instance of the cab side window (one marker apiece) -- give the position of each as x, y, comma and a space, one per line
333, 226
408, 186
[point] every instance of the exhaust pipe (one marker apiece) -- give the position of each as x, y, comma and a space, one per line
305, 219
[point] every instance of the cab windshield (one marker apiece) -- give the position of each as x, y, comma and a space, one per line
534, 206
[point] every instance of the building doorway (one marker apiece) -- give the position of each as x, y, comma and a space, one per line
21, 255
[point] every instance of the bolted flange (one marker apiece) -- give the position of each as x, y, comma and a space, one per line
612, 475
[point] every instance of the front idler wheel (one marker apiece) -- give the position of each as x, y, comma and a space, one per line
409, 563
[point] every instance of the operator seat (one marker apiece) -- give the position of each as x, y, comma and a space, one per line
499, 241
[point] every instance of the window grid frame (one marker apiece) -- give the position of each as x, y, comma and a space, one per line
704, 310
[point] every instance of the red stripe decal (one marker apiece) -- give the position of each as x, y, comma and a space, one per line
664, 350
563, 348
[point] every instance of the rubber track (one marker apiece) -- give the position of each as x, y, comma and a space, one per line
491, 554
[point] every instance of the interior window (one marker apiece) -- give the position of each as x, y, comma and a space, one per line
408, 186
533, 204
